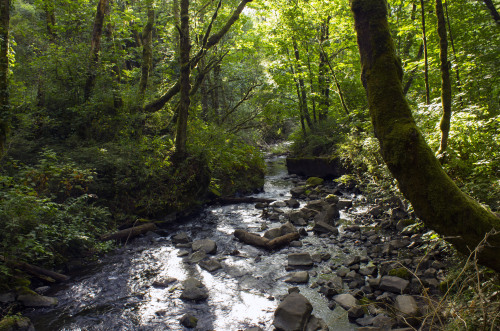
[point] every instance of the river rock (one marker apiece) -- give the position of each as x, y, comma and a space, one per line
181, 238
369, 270
296, 192
298, 277
189, 321
346, 300
36, 300
329, 214
287, 228
194, 290
316, 324
293, 313
164, 282
7, 297
207, 245
393, 284
197, 256
323, 227
353, 259
300, 260
16, 323
383, 322
272, 233
210, 265
344, 203
406, 305
292, 203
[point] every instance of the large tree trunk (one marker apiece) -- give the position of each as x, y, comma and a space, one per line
445, 77
4, 70
493, 10
434, 196
95, 47
147, 52
426, 58
185, 85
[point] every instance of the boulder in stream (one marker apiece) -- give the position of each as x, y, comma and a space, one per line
194, 290
300, 260
207, 245
293, 313
36, 300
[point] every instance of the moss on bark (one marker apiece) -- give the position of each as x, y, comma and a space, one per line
434, 196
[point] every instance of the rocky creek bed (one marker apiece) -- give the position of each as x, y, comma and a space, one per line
349, 266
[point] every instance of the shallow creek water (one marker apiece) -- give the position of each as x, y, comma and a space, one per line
116, 293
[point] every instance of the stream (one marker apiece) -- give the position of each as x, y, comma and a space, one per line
118, 292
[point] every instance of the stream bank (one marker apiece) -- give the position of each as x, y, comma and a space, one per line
142, 286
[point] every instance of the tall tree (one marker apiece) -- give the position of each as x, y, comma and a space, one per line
323, 80
445, 77
435, 197
493, 10
426, 58
4, 71
147, 51
300, 79
95, 47
185, 85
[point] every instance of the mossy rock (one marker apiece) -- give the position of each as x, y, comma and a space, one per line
16, 323
401, 273
314, 181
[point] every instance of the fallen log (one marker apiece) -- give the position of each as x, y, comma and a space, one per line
251, 238
129, 233
256, 240
233, 201
44, 274
283, 240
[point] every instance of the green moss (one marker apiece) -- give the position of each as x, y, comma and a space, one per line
400, 272
314, 181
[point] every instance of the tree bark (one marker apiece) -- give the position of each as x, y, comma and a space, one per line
256, 240
147, 52
303, 95
4, 71
185, 85
445, 77
493, 10
434, 196
323, 81
426, 58
457, 64
95, 47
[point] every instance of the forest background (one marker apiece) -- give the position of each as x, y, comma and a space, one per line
114, 111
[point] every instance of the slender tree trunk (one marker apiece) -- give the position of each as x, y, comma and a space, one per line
426, 58
299, 97
217, 81
445, 78
303, 95
411, 76
50, 18
457, 65
493, 10
147, 52
312, 88
4, 70
323, 81
95, 47
185, 86
434, 196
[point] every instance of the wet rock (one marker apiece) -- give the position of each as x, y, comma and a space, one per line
316, 324
299, 277
261, 205
300, 260
328, 291
194, 290
369, 270
384, 322
273, 233
394, 284
329, 214
346, 300
182, 253
292, 203
42, 289
293, 313
164, 282
197, 256
279, 204
181, 238
322, 227
376, 211
16, 323
210, 265
344, 203
316, 257
296, 192
207, 245
355, 312
36, 300
189, 321
365, 321
342, 271
352, 260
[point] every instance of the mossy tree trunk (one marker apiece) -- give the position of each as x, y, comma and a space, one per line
444, 125
4, 70
434, 196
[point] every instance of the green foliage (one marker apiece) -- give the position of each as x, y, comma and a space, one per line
47, 215
319, 142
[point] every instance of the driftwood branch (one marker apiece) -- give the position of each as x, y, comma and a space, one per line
41, 273
256, 240
129, 233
